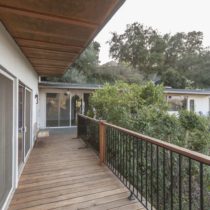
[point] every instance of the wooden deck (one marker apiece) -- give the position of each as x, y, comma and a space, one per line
62, 174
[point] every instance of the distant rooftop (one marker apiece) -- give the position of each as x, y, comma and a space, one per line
188, 91
62, 85
76, 86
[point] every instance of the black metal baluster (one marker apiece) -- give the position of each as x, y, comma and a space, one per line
190, 180
137, 167
157, 154
123, 158
201, 187
129, 155
119, 155
151, 175
171, 160
114, 137
146, 171
141, 169
112, 149
133, 139
126, 160
180, 182
164, 173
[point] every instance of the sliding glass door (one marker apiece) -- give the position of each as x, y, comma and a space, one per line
24, 124
57, 109
21, 99
28, 106
6, 137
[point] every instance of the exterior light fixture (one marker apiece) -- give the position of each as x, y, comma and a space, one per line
37, 98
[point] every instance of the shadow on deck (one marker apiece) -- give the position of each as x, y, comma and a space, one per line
61, 174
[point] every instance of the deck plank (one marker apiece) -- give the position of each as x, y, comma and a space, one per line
61, 174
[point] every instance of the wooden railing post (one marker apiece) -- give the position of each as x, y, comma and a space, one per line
102, 141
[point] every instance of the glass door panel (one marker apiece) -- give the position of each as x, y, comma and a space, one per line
57, 109
86, 102
52, 110
76, 108
27, 121
64, 119
21, 126
6, 135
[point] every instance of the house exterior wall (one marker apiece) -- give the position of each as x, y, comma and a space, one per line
14, 64
42, 101
201, 104
17, 64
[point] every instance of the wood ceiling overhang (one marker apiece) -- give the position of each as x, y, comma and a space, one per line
53, 33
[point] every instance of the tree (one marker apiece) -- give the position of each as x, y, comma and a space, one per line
88, 60
173, 79
146, 50
112, 72
140, 47
82, 70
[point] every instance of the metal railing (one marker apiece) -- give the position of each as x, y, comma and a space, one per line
160, 175
88, 130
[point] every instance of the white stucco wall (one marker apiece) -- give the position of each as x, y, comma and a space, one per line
201, 103
14, 63
12, 59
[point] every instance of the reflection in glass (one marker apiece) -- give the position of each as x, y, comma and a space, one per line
52, 109
28, 122
177, 103
86, 102
58, 109
6, 133
64, 109
21, 126
76, 108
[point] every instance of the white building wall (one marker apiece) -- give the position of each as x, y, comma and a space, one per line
13, 62
12, 59
201, 104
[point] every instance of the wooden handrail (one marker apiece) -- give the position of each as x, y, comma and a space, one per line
102, 141
174, 148
179, 150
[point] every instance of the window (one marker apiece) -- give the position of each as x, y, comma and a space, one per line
192, 105
176, 103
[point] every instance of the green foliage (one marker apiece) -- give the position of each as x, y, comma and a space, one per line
143, 108
173, 78
122, 101
141, 47
112, 72
196, 131
82, 70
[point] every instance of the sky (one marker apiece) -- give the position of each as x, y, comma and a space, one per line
166, 16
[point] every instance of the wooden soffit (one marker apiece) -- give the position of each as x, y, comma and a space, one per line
53, 33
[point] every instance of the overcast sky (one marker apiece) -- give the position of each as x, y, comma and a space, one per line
167, 16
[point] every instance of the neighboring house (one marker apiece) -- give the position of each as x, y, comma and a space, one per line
60, 103
37, 38
194, 100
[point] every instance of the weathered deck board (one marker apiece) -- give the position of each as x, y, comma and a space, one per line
61, 175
